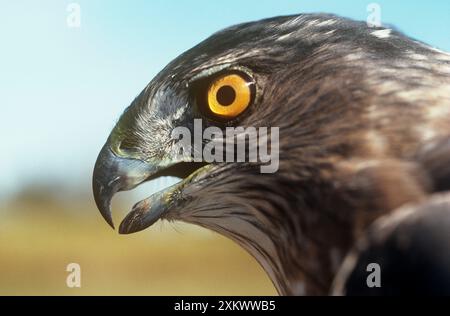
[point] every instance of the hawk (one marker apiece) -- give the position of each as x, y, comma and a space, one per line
364, 151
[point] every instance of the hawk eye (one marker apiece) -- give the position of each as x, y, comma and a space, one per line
229, 95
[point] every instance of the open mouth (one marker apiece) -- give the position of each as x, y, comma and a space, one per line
180, 170
113, 174
148, 211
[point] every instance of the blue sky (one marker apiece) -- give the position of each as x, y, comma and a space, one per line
63, 89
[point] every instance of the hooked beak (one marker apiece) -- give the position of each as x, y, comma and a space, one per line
113, 174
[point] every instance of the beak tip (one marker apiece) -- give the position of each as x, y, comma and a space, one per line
103, 203
106, 214
110, 222
103, 188
124, 230
128, 226
105, 211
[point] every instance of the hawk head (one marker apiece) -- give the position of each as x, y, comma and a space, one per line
333, 87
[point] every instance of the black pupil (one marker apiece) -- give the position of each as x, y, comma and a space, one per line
226, 96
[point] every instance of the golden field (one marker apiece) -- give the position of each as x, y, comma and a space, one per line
39, 238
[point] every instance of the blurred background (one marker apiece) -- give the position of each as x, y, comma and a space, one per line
62, 88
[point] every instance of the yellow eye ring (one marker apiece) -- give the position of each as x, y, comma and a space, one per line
229, 96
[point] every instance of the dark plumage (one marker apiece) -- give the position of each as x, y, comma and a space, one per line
411, 246
362, 113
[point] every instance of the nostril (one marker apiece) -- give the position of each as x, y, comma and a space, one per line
123, 148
